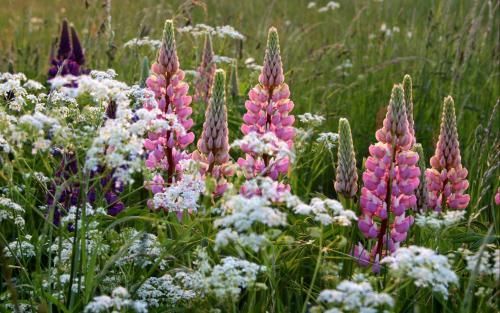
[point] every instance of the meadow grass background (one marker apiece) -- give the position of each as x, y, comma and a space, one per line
448, 47
453, 49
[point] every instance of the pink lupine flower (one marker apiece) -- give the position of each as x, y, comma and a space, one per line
268, 111
446, 179
390, 180
497, 197
206, 72
166, 143
408, 90
213, 146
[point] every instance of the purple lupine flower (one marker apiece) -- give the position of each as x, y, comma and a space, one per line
70, 58
206, 72
268, 111
213, 146
165, 145
390, 180
447, 179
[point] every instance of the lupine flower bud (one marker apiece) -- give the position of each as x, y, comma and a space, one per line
165, 145
272, 71
446, 179
268, 111
167, 60
390, 180
346, 179
421, 191
408, 91
76, 48
235, 89
213, 146
206, 72
64, 50
497, 197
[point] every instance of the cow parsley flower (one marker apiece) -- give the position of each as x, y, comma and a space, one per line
439, 220
353, 296
330, 140
10, 210
425, 267
485, 263
21, 248
119, 301
309, 118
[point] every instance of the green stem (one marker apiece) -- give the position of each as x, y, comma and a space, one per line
316, 270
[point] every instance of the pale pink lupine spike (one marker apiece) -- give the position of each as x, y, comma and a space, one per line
268, 112
408, 91
272, 71
166, 145
389, 182
206, 72
346, 178
446, 179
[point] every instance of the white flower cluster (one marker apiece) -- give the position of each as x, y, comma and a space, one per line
266, 144
436, 220
354, 296
145, 249
21, 248
118, 302
387, 31
250, 64
223, 59
425, 267
309, 118
220, 31
330, 140
12, 89
330, 6
9, 210
224, 281
184, 194
239, 214
484, 263
143, 42
326, 211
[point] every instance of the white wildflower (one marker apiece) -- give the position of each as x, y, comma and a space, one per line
425, 267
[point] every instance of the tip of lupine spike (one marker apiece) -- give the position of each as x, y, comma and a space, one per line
273, 42
169, 33
407, 83
344, 126
397, 96
219, 84
64, 42
208, 44
77, 51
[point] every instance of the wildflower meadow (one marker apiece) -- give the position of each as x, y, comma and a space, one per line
249, 156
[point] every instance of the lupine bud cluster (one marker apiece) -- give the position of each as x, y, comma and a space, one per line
170, 135
268, 111
206, 72
421, 192
346, 179
390, 180
446, 179
70, 58
213, 146
408, 91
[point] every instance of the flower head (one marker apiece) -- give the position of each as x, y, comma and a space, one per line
408, 91
390, 180
272, 72
206, 71
446, 179
346, 179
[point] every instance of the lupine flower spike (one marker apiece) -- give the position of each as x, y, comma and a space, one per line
165, 145
390, 180
346, 179
421, 191
213, 146
446, 179
70, 58
268, 115
206, 72
408, 90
